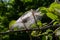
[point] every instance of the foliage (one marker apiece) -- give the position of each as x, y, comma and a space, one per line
12, 23
13, 9
53, 15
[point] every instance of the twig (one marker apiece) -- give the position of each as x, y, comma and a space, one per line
34, 18
35, 29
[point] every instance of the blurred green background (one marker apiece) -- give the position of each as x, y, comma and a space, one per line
13, 9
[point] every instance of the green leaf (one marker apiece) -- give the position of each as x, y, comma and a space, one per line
50, 37
57, 12
52, 16
26, 0
48, 30
35, 33
16, 28
39, 23
55, 23
11, 1
54, 5
44, 37
43, 9
5, 37
33, 25
12, 23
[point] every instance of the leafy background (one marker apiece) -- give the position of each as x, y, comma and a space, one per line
13, 9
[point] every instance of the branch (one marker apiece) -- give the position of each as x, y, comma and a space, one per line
35, 29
